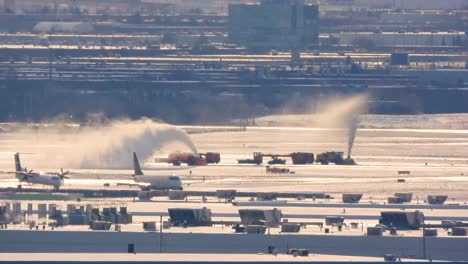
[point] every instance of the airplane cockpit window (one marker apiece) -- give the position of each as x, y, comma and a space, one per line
55, 178
173, 178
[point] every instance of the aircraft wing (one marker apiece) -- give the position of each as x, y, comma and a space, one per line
132, 184
169, 169
102, 176
11, 172
115, 175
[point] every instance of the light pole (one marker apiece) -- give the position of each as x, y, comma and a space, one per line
50, 64
424, 237
160, 233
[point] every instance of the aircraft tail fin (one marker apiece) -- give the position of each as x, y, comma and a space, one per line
17, 163
136, 165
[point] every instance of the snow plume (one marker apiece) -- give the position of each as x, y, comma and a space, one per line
338, 115
343, 112
101, 146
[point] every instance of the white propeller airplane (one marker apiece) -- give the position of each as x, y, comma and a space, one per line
155, 182
50, 179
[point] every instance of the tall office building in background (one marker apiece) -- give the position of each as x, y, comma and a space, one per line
274, 24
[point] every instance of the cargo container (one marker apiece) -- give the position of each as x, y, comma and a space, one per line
301, 158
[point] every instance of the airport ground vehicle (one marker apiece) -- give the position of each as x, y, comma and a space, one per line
257, 159
298, 158
334, 157
301, 158
330, 157
191, 159
211, 157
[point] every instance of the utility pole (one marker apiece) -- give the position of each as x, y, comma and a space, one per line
160, 233
50, 64
424, 238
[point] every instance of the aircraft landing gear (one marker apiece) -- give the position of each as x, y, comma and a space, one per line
20, 187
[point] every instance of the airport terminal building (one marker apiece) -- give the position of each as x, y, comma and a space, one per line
274, 24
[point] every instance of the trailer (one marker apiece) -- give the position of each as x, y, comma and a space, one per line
191, 159
211, 157
302, 158
298, 158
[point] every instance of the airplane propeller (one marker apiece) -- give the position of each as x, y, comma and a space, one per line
25, 175
62, 174
26, 171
